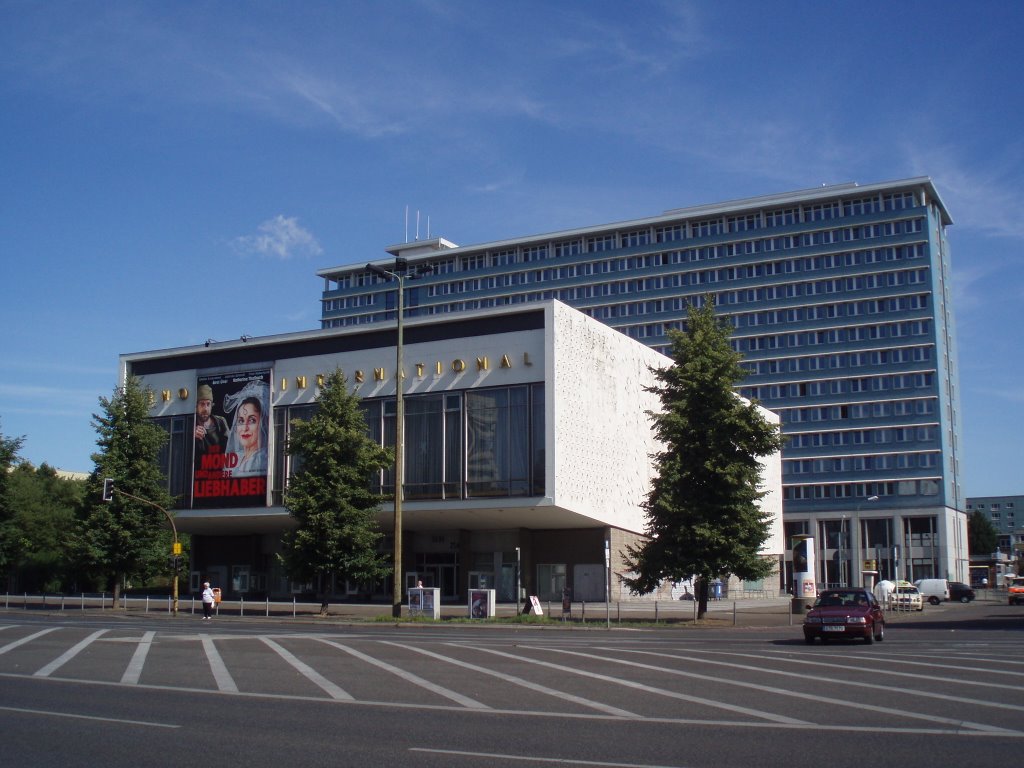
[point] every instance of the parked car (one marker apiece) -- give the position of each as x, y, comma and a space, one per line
960, 591
849, 613
906, 597
933, 590
1014, 589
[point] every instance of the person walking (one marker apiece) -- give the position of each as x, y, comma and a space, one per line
207, 601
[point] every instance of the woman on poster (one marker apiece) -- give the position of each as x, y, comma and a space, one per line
248, 440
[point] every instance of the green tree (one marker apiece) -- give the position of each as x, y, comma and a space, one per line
982, 536
44, 507
702, 513
11, 540
329, 498
124, 538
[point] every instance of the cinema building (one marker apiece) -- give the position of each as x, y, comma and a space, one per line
527, 448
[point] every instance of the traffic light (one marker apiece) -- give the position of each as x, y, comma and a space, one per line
108, 489
174, 563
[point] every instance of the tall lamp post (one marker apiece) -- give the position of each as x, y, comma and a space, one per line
399, 274
109, 489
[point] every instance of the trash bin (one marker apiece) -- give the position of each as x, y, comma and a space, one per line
716, 590
216, 595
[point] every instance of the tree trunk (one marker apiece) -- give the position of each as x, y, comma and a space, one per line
702, 596
322, 589
117, 589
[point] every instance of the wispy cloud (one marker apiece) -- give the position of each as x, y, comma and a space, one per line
985, 198
280, 237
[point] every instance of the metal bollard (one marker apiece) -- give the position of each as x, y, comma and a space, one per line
241, 605
268, 606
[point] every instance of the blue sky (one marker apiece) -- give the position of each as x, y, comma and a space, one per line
172, 172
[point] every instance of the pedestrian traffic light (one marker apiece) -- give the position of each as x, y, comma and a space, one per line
108, 489
174, 563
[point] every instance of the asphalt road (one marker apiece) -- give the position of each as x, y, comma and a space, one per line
946, 687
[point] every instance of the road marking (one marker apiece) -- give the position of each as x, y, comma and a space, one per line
893, 673
516, 680
458, 698
134, 671
69, 654
533, 759
867, 730
26, 639
772, 716
221, 676
332, 690
834, 701
111, 720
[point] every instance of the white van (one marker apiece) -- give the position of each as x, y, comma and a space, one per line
933, 590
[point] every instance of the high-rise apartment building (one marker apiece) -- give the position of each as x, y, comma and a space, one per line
841, 301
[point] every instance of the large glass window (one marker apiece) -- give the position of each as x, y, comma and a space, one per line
497, 442
175, 458
424, 446
284, 465
478, 443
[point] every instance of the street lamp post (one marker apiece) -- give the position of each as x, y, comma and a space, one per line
399, 274
110, 489
397, 590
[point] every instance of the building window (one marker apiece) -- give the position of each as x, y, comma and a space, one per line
175, 458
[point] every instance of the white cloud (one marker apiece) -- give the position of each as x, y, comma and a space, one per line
280, 237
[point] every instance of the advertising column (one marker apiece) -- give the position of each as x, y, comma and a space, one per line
804, 588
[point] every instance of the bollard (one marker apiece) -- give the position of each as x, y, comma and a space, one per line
268, 605
147, 605
734, 613
293, 606
655, 611
241, 605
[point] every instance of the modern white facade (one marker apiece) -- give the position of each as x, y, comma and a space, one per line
527, 447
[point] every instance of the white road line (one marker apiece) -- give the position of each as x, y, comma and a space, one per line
110, 720
889, 711
409, 677
771, 716
893, 673
515, 680
332, 690
26, 639
68, 655
220, 672
134, 671
534, 759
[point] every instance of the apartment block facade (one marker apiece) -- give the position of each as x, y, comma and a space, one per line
840, 298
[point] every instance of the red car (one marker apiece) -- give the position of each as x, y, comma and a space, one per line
845, 613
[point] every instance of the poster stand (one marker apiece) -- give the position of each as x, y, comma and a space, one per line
481, 603
425, 601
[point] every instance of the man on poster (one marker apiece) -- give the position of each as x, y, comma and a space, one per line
211, 432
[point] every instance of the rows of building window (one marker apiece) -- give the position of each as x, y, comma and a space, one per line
852, 437
632, 264
881, 489
843, 361
843, 386
697, 278
882, 461
854, 411
827, 336
748, 222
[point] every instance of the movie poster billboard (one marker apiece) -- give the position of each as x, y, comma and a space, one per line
231, 440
